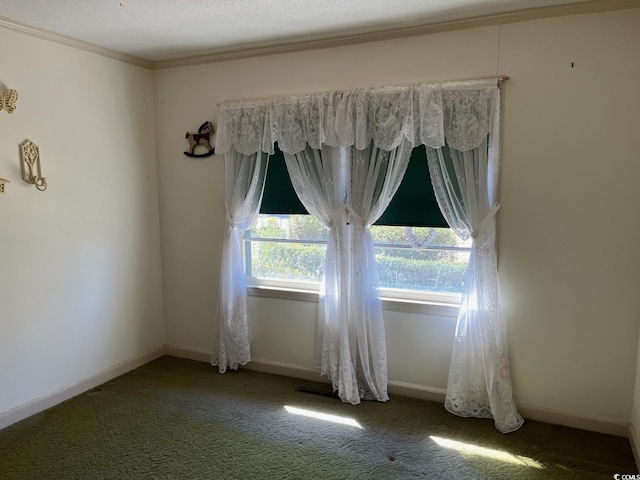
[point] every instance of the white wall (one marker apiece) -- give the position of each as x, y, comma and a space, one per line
569, 226
192, 191
80, 275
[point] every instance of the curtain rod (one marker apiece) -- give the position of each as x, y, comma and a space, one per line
499, 78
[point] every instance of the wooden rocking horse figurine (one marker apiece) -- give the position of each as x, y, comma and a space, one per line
200, 138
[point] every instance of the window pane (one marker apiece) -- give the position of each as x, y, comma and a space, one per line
408, 258
418, 237
440, 271
286, 261
420, 266
292, 227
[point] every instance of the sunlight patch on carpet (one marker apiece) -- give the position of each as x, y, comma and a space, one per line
469, 449
323, 416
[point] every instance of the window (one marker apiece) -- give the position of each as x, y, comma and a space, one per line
286, 247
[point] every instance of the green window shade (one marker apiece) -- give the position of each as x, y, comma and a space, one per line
413, 205
279, 197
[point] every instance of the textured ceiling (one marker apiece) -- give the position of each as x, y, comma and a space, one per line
166, 29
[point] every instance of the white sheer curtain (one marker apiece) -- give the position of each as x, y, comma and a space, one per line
347, 190
465, 184
327, 138
244, 183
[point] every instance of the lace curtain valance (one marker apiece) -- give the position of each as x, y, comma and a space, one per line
347, 189
460, 112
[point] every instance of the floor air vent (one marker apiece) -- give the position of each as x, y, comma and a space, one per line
313, 391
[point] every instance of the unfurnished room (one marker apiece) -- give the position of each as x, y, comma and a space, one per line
291, 239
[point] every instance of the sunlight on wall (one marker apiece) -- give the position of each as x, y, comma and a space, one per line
468, 449
323, 416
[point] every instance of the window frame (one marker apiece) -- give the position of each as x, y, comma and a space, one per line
413, 301
421, 301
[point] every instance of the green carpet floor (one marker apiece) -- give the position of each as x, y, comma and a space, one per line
180, 419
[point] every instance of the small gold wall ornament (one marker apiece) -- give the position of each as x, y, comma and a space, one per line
8, 100
2, 182
31, 168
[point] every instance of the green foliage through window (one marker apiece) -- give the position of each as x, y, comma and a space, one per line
421, 259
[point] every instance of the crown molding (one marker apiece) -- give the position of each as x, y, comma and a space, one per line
594, 6
72, 42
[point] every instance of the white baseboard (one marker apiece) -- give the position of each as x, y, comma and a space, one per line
585, 422
188, 353
50, 399
635, 445
592, 423
286, 369
559, 417
256, 364
417, 391
313, 374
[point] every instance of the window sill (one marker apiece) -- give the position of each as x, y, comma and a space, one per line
390, 304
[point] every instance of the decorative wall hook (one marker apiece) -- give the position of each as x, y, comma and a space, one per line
2, 182
200, 138
8, 100
31, 168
